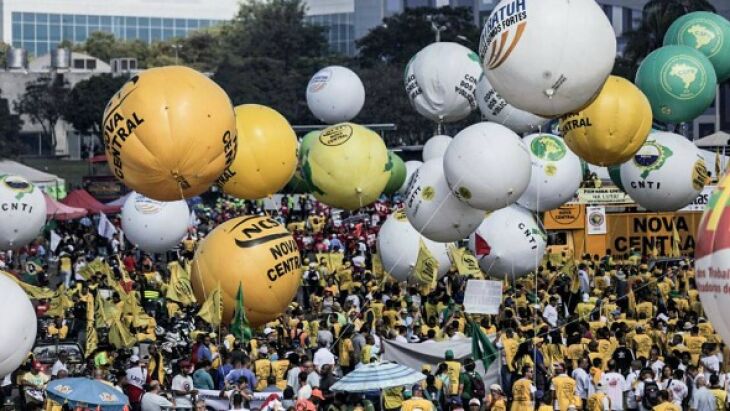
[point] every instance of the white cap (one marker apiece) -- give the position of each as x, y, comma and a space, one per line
134, 358
268, 330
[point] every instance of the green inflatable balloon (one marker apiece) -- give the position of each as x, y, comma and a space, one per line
306, 143
706, 32
397, 173
296, 185
614, 173
679, 82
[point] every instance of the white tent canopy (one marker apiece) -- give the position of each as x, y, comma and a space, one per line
35, 176
718, 139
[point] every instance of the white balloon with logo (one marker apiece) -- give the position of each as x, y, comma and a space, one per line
433, 210
547, 57
667, 173
18, 325
487, 166
335, 94
435, 147
508, 243
495, 108
441, 81
154, 226
398, 245
556, 173
22, 212
411, 167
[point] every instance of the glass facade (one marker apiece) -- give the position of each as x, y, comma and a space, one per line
39, 33
340, 31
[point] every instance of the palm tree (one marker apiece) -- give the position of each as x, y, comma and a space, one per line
658, 15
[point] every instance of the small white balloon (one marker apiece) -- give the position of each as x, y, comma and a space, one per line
441, 80
434, 211
18, 325
487, 166
667, 173
411, 167
509, 243
547, 57
436, 147
22, 212
556, 173
335, 94
496, 109
398, 245
154, 226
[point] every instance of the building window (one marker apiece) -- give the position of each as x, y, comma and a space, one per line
706, 129
79, 64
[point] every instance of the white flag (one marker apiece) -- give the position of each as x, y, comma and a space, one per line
106, 228
55, 240
193, 221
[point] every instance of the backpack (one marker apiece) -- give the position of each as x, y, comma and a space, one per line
478, 390
650, 396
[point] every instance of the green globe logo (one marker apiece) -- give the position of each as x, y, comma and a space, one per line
683, 77
651, 156
546, 147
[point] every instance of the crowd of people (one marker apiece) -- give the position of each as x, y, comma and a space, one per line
591, 333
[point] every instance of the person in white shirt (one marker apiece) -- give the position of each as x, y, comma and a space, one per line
632, 380
583, 384
656, 364
615, 386
136, 375
323, 356
550, 313
60, 363
152, 400
182, 386
677, 387
709, 362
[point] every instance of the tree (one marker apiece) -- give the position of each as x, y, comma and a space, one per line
10, 125
44, 101
87, 100
658, 15
401, 36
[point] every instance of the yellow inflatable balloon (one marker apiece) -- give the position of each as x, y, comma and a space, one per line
255, 252
169, 133
266, 157
612, 128
347, 166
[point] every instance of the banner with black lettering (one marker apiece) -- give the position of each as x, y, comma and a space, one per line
596, 220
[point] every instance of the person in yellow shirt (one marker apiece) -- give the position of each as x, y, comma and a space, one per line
393, 398
58, 329
641, 343
453, 371
346, 353
496, 399
694, 342
719, 392
563, 388
599, 401
665, 404
510, 343
523, 391
416, 402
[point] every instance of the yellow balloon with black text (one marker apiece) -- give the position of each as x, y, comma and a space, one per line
267, 154
347, 166
613, 127
259, 254
169, 132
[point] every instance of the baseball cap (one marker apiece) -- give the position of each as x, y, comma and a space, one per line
495, 387
134, 358
268, 330
474, 401
449, 354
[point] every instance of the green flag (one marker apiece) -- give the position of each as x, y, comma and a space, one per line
239, 325
482, 348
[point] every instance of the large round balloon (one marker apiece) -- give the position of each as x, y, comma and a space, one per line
169, 133
433, 210
709, 33
256, 253
22, 212
398, 245
556, 173
152, 225
508, 243
347, 166
547, 57
397, 174
612, 128
335, 94
679, 81
266, 157
435, 147
441, 80
19, 325
666, 174
712, 259
411, 167
495, 108
487, 166
306, 144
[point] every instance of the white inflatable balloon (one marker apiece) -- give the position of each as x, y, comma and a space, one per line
487, 166
436, 147
556, 173
666, 174
495, 108
398, 244
441, 81
434, 211
335, 94
509, 243
19, 326
22, 212
547, 57
152, 225
411, 167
